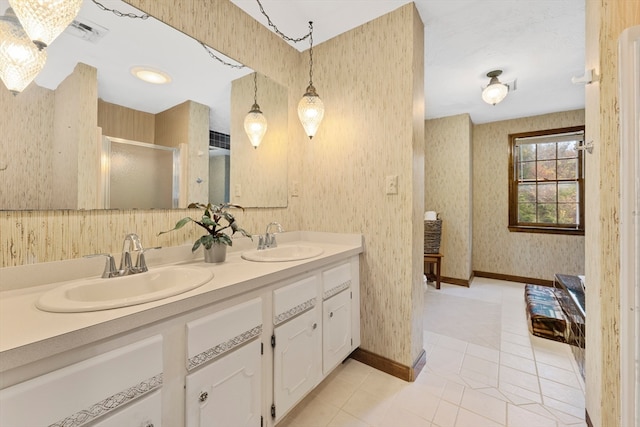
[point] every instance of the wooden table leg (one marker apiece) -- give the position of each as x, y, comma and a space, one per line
438, 273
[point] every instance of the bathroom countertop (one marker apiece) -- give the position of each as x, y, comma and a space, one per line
28, 334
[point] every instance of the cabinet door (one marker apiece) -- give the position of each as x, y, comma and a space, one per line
226, 392
87, 391
297, 368
145, 412
336, 330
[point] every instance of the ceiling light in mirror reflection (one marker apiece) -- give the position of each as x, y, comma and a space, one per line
150, 75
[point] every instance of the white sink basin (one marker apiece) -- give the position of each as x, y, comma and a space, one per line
103, 294
282, 253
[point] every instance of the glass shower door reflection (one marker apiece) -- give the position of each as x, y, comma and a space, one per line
138, 175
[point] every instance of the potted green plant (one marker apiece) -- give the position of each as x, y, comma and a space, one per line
215, 219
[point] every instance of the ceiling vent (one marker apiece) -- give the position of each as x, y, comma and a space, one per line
87, 30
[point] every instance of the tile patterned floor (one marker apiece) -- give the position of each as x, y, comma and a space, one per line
483, 369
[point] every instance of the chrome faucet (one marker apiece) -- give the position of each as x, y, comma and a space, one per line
131, 244
269, 239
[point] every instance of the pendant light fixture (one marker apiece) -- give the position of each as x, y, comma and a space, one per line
255, 123
495, 91
310, 107
20, 59
44, 20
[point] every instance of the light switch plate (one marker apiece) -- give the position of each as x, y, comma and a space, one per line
391, 184
238, 190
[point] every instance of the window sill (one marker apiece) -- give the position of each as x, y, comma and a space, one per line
546, 230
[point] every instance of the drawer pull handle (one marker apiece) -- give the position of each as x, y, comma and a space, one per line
203, 396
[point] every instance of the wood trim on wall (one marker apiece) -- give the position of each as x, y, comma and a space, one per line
391, 367
454, 281
511, 278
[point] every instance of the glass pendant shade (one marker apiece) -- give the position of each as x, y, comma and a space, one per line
20, 59
310, 111
44, 20
495, 91
255, 124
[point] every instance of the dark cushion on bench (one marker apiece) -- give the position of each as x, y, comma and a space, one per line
545, 316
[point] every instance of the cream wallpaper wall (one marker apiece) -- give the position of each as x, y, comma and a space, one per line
495, 248
18, 125
448, 189
606, 19
346, 163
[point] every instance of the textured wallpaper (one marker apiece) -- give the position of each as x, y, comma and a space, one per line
448, 189
605, 21
495, 248
345, 165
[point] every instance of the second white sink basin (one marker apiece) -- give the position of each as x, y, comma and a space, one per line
102, 294
283, 253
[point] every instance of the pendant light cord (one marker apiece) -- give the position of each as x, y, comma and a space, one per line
214, 56
310, 53
277, 31
118, 13
255, 88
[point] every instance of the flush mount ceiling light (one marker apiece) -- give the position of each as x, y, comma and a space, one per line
150, 75
310, 107
20, 59
255, 123
495, 91
44, 20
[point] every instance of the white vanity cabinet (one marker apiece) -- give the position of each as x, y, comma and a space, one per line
336, 316
243, 352
224, 386
296, 342
119, 388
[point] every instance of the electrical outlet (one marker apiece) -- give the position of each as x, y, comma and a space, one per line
238, 190
295, 189
391, 184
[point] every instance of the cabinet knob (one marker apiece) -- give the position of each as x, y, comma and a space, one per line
203, 396
331, 314
315, 325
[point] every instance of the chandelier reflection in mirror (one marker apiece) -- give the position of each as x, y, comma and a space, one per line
20, 58
255, 123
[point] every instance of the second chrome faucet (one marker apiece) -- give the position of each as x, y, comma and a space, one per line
269, 239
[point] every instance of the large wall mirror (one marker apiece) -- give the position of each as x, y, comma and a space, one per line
53, 135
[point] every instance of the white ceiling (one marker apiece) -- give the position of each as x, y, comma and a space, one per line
538, 42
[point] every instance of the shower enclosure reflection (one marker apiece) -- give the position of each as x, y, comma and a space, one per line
139, 175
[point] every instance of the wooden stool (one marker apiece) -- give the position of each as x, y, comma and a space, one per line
432, 259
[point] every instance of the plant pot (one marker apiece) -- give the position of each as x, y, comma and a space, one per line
217, 253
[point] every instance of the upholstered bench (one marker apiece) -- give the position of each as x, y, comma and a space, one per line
545, 316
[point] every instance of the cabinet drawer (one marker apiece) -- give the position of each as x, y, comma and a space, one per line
87, 390
211, 336
336, 280
293, 299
